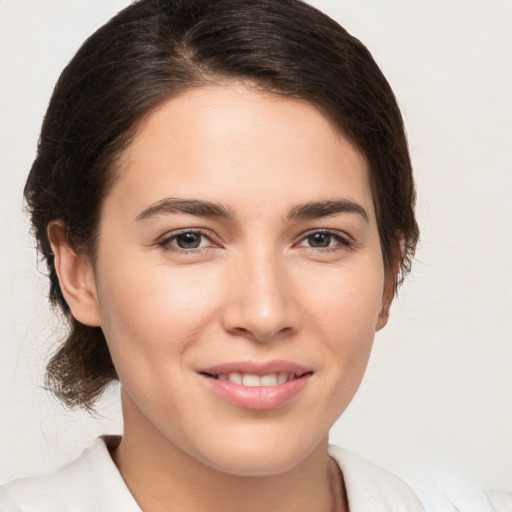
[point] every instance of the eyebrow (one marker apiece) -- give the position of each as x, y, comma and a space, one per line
189, 206
317, 209
200, 208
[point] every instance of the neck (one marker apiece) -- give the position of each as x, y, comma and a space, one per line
162, 477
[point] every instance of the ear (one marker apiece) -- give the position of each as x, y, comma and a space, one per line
390, 278
76, 277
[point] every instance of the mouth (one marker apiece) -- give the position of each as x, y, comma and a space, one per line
257, 386
252, 380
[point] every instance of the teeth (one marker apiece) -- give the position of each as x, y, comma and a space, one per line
282, 378
250, 380
235, 378
269, 380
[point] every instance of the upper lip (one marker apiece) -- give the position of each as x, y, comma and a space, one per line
256, 368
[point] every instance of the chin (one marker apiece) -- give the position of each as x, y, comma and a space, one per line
258, 454
266, 463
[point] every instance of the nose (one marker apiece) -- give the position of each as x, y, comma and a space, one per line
260, 301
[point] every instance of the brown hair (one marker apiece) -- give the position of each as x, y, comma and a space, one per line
154, 49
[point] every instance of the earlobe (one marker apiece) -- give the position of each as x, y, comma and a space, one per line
383, 317
391, 276
387, 299
76, 277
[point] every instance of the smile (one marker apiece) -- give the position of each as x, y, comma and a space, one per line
257, 386
251, 380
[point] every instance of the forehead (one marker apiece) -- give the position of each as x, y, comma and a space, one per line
230, 142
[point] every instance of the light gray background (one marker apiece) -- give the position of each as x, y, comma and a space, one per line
435, 406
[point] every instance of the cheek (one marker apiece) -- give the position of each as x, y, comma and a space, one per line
344, 308
345, 300
150, 313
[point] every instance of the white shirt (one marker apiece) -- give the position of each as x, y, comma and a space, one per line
92, 483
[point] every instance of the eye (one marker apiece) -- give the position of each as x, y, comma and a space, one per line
324, 240
187, 240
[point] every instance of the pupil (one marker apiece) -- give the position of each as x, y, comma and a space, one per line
320, 240
188, 240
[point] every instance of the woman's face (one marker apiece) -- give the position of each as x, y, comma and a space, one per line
239, 277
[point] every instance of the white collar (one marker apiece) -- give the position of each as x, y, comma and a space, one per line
371, 488
92, 483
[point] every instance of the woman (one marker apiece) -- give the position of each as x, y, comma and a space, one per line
223, 195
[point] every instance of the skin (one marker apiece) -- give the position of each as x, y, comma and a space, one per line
259, 287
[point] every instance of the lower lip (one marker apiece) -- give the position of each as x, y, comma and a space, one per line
258, 398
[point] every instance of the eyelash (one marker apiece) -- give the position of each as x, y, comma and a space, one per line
166, 243
343, 242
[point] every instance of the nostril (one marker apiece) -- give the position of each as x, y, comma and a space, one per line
262, 335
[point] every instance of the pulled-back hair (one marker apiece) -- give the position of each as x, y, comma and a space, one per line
151, 51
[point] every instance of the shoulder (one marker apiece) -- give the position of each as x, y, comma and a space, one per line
370, 487
89, 483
